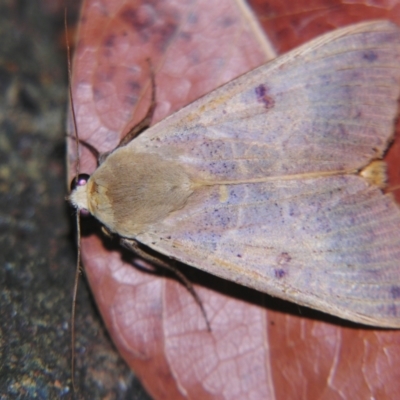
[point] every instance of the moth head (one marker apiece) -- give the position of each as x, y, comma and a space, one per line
78, 197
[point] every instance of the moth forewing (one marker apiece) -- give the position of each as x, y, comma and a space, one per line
259, 181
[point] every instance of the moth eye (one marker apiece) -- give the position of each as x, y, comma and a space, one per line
79, 180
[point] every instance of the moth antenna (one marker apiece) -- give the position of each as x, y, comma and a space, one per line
74, 295
78, 228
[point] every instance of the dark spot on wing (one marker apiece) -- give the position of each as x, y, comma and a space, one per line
264, 97
283, 258
395, 292
370, 55
279, 273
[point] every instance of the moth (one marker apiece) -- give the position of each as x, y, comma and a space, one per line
274, 180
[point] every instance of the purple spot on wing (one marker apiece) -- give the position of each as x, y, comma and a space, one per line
279, 273
282, 260
264, 97
370, 55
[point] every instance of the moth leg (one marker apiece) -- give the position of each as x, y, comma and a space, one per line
107, 232
146, 121
134, 246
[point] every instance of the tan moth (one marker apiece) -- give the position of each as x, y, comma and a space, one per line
266, 181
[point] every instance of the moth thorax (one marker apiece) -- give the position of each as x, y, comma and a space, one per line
130, 191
